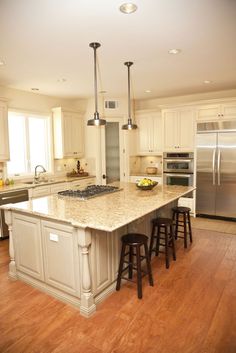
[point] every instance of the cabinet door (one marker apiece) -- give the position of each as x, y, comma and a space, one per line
4, 141
171, 138
73, 135
77, 135
27, 235
228, 111
156, 134
186, 130
143, 135
60, 257
208, 112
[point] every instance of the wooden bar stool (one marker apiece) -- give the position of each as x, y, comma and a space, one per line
134, 241
165, 224
184, 222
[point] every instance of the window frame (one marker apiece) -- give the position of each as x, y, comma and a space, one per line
49, 148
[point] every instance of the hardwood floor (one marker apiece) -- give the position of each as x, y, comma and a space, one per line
190, 309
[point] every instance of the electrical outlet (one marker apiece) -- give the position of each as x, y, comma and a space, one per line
53, 237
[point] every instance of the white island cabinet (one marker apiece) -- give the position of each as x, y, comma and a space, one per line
70, 248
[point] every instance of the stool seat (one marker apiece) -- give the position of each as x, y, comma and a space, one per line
165, 224
184, 221
133, 242
134, 238
181, 209
162, 221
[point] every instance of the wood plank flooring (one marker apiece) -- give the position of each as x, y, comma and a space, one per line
190, 309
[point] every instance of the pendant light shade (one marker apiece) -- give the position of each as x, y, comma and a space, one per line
129, 125
95, 121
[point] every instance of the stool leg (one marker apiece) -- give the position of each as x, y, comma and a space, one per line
151, 241
176, 225
166, 247
158, 240
185, 230
190, 228
120, 267
149, 270
173, 242
130, 262
139, 273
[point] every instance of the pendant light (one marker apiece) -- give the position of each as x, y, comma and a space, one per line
95, 121
130, 125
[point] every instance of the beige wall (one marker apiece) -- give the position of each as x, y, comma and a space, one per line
156, 102
35, 102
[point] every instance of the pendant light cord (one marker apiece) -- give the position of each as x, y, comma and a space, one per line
95, 81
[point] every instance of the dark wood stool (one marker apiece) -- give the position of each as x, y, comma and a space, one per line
184, 222
134, 241
169, 241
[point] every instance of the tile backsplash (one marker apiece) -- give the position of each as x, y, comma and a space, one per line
63, 166
138, 164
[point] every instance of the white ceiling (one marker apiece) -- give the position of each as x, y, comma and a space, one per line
46, 40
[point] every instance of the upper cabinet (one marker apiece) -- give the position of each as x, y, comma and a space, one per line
68, 128
149, 133
4, 140
179, 129
224, 111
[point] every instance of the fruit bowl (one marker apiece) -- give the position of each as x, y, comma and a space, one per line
146, 184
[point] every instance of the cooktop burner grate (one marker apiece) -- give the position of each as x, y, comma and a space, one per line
90, 191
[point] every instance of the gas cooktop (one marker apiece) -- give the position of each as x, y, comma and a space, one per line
90, 191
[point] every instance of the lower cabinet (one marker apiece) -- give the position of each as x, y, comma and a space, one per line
48, 252
29, 255
61, 260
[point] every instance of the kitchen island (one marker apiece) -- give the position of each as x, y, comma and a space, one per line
70, 248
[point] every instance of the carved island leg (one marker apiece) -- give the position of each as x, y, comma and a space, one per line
87, 305
12, 264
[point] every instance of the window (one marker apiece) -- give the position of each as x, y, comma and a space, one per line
29, 138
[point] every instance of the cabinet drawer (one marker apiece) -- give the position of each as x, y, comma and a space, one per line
58, 187
82, 183
41, 191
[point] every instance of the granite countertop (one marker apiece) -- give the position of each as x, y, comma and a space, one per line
53, 180
108, 212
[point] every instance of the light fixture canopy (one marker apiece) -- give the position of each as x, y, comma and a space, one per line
95, 121
129, 125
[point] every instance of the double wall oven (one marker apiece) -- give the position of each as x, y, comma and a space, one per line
178, 168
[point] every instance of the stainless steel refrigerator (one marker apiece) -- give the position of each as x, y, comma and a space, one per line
216, 169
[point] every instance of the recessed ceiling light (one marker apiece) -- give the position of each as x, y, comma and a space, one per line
147, 91
206, 82
128, 8
34, 89
174, 51
2, 63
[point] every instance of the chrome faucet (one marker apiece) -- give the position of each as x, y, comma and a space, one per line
37, 174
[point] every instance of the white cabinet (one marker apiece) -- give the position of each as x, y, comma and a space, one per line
29, 257
58, 187
4, 140
46, 190
149, 133
224, 111
68, 128
61, 259
179, 129
136, 178
83, 183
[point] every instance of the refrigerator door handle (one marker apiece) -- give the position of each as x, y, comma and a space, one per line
213, 167
218, 166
